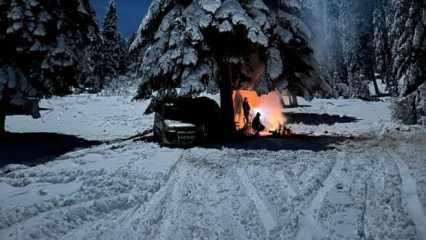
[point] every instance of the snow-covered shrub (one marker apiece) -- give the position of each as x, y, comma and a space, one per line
123, 85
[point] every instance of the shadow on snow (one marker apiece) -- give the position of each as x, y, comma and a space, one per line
292, 143
36, 148
318, 119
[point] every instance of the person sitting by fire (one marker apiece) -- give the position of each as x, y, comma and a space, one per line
246, 111
257, 124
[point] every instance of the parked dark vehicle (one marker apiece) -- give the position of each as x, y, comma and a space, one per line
186, 121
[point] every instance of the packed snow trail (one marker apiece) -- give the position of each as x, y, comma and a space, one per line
410, 195
135, 189
411, 199
310, 228
265, 215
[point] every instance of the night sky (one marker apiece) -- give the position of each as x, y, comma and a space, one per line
130, 13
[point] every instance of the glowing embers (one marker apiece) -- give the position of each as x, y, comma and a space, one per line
247, 105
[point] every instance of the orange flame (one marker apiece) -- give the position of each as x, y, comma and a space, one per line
269, 106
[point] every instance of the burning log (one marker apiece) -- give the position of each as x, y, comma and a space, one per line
283, 131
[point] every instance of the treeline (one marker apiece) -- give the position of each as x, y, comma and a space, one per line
364, 45
364, 48
55, 48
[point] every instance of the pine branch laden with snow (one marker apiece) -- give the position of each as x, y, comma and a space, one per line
408, 45
407, 41
156, 12
42, 47
187, 45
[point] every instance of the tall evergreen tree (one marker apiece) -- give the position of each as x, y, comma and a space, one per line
358, 30
408, 54
93, 69
406, 37
114, 46
383, 37
219, 46
133, 57
41, 45
360, 61
342, 42
382, 50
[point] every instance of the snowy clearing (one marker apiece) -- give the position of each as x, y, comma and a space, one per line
373, 188
89, 116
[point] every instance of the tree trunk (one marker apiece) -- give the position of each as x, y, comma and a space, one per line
226, 101
376, 88
2, 120
293, 101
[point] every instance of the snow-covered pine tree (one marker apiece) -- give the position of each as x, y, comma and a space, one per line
362, 38
325, 18
93, 69
394, 30
133, 57
114, 47
41, 46
219, 46
356, 31
407, 38
408, 44
382, 66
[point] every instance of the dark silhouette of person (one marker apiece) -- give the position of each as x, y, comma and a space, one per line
246, 110
257, 124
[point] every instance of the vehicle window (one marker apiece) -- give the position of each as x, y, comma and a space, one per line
177, 113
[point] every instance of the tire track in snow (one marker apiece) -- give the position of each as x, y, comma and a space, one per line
161, 193
237, 230
410, 197
166, 226
147, 213
71, 219
379, 176
135, 219
288, 187
224, 198
374, 186
309, 179
310, 228
386, 215
265, 215
72, 216
242, 210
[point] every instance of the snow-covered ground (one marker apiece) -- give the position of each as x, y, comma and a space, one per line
371, 116
374, 188
88, 116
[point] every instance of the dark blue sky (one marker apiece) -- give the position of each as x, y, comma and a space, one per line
130, 13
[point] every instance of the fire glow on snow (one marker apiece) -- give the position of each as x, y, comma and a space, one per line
269, 106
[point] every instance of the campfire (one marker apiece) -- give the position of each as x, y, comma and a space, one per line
269, 106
